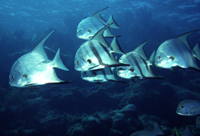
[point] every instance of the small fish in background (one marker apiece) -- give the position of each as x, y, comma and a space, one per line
89, 26
188, 108
101, 75
139, 64
176, 52
34, 68
157, 131
96, 54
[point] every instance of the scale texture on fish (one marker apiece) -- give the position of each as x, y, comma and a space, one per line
34, 68
89, 26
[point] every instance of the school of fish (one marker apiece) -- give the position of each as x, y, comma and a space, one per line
97, 63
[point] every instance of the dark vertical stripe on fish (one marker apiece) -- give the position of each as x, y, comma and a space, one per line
145, 64
85, 49
137, 64
111, 71
95, 52
106, 50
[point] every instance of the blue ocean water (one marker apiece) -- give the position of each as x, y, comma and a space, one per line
87, 109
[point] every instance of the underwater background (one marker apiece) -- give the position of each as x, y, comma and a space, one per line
82, 108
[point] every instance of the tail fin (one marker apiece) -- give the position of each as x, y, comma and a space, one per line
196, 50
113, 22
58, 63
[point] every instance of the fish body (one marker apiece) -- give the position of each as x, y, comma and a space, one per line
188, 108
34, 68
89, 26
157, 131
139, 65
176, 52
96, 54
101, 75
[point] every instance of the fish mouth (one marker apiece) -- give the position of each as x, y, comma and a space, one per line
182, 114
78, 36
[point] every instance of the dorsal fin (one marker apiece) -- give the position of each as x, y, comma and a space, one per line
139, 49
40, 47
99, 36
98, 15
183, 37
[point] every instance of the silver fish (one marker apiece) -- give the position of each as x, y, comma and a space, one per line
101, 75
139, 64
188, 108
34, 68
96, 54
89, 26
176, 52
157, 131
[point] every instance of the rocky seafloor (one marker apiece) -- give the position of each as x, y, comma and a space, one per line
108, 109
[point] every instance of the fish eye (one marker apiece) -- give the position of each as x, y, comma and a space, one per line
89, 31
77, 62
159, 58
24, 75
181, 106
172, 57
131, 69
12, 77
79, 31
89, 61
